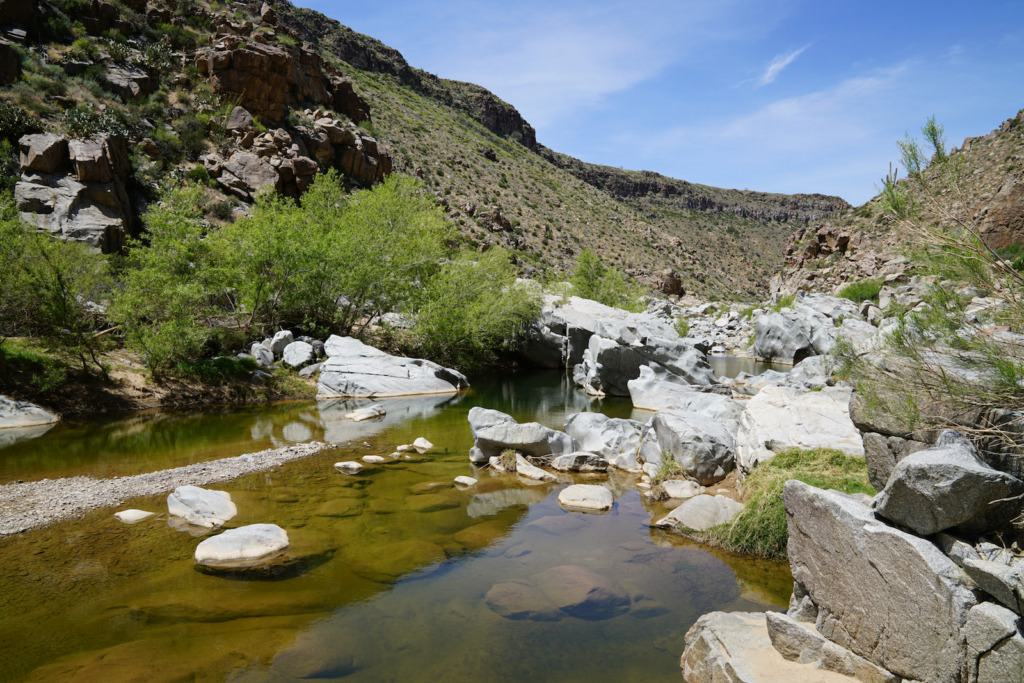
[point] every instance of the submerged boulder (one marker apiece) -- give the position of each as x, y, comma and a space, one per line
701, 512
614, 439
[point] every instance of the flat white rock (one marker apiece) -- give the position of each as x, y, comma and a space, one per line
422, 445
132, 516
374, 459
586, 497
681, 488
525, 469
463, 480
348, 467
201, 507
246, 546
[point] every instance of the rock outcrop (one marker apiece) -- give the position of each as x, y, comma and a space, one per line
494, 432
353, 369
76, 189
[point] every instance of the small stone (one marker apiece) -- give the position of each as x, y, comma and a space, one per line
348, 467
463, 480
132, 516
374, 459
422, 445
241, 548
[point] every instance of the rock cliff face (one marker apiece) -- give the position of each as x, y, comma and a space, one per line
269, 80
76, 189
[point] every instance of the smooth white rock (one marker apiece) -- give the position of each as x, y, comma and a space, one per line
132, 516
422, 445
463, 480
586, 497
525, 469
701, 512
246, 546
375, 459
348, 467
201, 507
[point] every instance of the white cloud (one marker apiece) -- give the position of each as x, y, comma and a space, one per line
778, 64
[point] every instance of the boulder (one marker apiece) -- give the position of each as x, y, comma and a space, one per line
793, 334
680, 489
586, 497
494, 431
658, 390
734, 647
354, 369
994, 646
280, 340
43, 153
263, 356
421, 445
297, 354
701, 445
128, 82
780, 418
525, 468
700, 513
244, 174
246, 547
581, 593
882, 452
1003, 582
610, 362
886, 595
948, 486
239, 119
21, 414
579, 461
801, 643
519, 600
201, 507
614, 439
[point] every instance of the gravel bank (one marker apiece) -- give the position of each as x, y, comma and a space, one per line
34, 504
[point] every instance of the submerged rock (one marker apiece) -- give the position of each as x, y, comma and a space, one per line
701, 512
494, 431
586, 497
132, 516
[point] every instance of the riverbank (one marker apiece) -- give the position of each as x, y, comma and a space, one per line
35, 504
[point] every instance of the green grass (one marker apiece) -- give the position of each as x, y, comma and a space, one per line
862, 290
760, 529
784, 301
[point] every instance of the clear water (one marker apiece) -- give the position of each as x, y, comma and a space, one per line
390, 570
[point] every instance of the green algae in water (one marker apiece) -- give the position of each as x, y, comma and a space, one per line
394, 580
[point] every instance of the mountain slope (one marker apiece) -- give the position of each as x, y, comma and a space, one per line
308, 78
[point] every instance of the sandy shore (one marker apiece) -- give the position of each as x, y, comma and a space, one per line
34, 504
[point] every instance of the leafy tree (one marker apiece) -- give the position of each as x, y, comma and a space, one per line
47, 288
473, 308
173, 290
591, 279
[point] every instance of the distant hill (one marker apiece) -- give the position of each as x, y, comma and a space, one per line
168, 75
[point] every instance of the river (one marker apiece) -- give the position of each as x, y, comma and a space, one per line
394, 568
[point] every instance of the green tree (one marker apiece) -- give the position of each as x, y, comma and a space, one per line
591, 279
473, 309
173, 292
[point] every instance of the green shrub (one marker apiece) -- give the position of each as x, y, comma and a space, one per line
760, 529
862, 290
784, 301
682, 327
591, 279
15, 122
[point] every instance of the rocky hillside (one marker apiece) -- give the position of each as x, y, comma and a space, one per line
264, 95
986, 193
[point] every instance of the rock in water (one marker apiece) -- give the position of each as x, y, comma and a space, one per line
17, 414
581, 593
348, 467
494, 431
422, 445
587, 497
354, 369
132, 516
701, 512
368, 413
242, 548
201, 507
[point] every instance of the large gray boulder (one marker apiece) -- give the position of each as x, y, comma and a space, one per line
948, 486
614, 439
494, 431
354, 369
610, 363
297, 354
793, 334
781, 418
659, 390
1003, 582
703, 446
802, 643
201, 507
890, 597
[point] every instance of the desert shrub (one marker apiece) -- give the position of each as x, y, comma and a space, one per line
862, 290
15, 122
591, 279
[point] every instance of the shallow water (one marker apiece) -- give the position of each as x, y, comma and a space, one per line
389, 570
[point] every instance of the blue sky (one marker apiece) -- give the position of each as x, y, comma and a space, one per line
781, 96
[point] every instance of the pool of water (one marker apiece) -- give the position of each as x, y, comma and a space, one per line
393, 570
